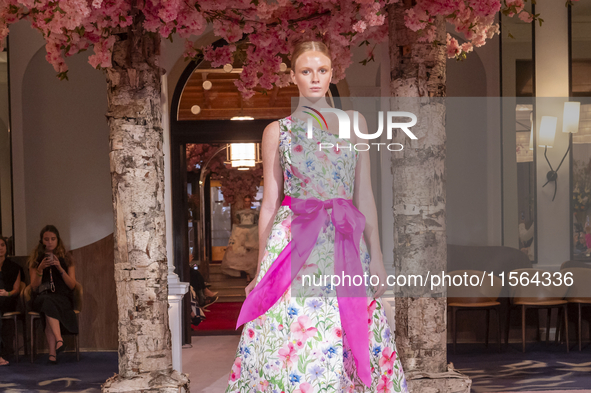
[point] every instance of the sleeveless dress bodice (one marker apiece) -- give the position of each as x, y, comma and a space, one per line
313, 168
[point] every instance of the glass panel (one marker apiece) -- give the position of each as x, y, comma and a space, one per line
581, 141
525, 178
518, 160
221, 219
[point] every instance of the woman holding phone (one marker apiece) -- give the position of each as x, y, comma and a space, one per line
53, 280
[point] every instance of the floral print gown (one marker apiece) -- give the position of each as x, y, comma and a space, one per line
298, 345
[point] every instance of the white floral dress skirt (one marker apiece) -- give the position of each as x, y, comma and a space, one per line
298, 345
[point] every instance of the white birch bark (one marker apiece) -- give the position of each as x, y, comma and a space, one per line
137, 175
418, 70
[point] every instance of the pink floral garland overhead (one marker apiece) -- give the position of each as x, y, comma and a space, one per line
71, 26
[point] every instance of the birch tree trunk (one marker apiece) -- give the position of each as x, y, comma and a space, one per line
137, 176
418, 70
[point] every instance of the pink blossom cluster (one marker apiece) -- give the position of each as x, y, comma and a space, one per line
273, 27
264, 30
474, 19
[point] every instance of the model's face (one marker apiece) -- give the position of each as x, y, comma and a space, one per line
312, 73
2, 249
49, 241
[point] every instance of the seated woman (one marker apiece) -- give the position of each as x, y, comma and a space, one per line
10, 286
53, 280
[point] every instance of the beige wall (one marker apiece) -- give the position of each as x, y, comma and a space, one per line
5, 172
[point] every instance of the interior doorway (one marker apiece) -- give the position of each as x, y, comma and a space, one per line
208, 114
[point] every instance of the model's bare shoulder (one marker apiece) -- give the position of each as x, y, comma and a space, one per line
271, 132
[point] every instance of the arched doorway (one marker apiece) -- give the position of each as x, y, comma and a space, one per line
203, 106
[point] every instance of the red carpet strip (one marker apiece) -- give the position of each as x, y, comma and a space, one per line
220, 320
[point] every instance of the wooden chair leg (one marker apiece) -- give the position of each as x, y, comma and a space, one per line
454, 326
508, 325
579, 330
538, 336
523, 326
15, 341
32, 339
498, 310
78, 338
25, 346
487, 325
566, 326
558, 326
548, 318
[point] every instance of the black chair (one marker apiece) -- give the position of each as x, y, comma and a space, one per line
15, 317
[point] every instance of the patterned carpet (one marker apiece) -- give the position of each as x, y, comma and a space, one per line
69, 376
540, 369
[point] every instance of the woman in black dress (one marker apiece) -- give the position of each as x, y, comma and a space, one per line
53, 280
10, 286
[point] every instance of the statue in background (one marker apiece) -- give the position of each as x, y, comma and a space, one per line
243, 246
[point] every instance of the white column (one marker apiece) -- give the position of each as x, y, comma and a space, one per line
176, 289
553, 217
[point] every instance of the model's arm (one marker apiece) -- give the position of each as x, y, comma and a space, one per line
273, 188
363, 199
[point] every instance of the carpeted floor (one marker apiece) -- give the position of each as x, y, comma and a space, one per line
540, 368
68, 376
220, 320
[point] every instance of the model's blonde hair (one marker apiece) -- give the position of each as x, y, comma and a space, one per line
305, 46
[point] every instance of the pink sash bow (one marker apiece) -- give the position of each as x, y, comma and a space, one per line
310, 216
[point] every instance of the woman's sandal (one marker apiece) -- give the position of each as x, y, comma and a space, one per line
60, 349
52, 362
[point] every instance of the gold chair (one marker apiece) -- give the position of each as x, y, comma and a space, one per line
35, 316
14, 317
536, 296
579, 292
474, 298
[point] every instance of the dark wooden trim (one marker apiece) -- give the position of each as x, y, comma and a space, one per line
12, 245
219, 131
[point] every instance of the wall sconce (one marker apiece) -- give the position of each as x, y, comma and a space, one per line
243, 156
570, 124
